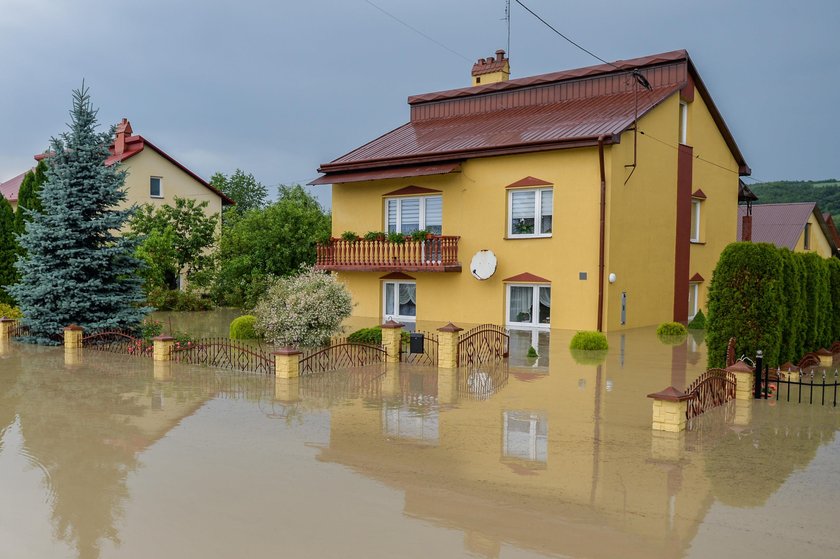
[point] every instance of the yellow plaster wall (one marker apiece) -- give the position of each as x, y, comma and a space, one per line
641, 222
819, 243
475, 207
175, 182
715, 172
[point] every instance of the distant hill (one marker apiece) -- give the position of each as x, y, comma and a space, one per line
826, 193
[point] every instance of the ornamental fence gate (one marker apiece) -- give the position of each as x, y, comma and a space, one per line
225, 354
713, 388
118, 341
483, 344
430, 351
340, 354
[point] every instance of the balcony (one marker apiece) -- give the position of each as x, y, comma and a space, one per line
437, 253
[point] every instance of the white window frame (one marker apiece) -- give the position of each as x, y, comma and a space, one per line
537, 213
160, 182
397, 317
683, 123
422, 218
696, 206
535, 304
693, 289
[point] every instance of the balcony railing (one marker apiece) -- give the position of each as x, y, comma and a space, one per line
438, 253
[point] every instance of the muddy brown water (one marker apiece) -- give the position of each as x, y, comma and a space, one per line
108, 456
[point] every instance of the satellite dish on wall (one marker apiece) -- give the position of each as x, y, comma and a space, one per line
483, 264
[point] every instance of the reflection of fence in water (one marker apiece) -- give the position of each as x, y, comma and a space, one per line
365, 383
480, 383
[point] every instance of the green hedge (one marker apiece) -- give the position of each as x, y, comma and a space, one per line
671, 329
772, 299
242, 328
373, 336
589, 341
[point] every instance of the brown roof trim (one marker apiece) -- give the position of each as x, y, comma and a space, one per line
366, 173
461, 155
412, 189
696, 278
699, 194
529, 181
526, 277
396, 276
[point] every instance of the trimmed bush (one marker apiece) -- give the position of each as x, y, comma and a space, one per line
242, 328
793, 310
367, 336
671, 329
8, 311
834, 276
589, 341
746, 301
698, 322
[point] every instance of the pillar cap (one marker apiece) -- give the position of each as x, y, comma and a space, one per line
823, 351
788, 367
739, 367
392, 324
670, 394
287, 351
4, 319
74, 328
163, 339
450, 328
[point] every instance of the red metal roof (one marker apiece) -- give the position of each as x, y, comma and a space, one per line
11, 188
782, 224
390, 173
551, 111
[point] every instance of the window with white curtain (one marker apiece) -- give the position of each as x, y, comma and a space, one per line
406, 215
530, 212
529, 305
399, 301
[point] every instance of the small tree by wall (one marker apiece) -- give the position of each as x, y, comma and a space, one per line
303, 310
8, 250
834, 276
745, 302
793, 312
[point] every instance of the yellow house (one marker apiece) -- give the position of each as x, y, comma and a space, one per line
594, 198
801, 227
154, 177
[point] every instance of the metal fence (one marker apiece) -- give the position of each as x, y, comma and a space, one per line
225, 354
483, 344
430, 351
340, 354
808, 386
713, 388
118, 341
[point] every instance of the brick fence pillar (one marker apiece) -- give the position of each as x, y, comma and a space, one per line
6, 326
669, 407
448, 346
162, 350
392, 340
73, 337
286, 363
744, 380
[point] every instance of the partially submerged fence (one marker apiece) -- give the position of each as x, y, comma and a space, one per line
483, 344
225, 354
118, 341
808, 386
713, 388
340, 354
429, 355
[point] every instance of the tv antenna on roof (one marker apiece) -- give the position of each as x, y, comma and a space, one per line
507, 17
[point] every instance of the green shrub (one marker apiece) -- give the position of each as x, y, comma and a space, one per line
746, 302
817, 320
150, 328
671, 329
242, 328
8, 311
589, 341
367, 336
532, 353
698, 322
176, 300
793, 309
834, 270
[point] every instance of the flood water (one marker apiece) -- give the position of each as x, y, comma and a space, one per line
107, 456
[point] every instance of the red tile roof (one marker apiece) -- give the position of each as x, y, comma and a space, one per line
782, 224
528, 181
526, 277
11, 188
551, 111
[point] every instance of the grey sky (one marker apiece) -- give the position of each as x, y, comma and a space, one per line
277, 87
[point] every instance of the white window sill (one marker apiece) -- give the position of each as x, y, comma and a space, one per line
156, 197
514, 237
527, 326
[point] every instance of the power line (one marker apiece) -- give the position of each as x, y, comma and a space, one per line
398, 20
589, 52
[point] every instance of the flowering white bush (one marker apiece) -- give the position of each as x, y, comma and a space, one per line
303, 310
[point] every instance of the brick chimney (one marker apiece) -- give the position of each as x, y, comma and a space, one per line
746, 228
123, 132
491, 69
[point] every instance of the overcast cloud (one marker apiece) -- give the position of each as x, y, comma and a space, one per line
277, 87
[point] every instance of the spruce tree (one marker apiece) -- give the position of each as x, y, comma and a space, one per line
77, 269
8, 250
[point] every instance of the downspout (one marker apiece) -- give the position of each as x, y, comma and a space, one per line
602, 234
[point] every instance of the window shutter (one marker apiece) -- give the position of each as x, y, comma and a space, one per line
434, 212
392, 216
410, 215
523, 205
547, 203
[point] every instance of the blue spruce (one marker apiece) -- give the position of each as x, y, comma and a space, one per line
77, 269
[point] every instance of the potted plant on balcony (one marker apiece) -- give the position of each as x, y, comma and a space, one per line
421, 235
374, 236
396, 238
349, 236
